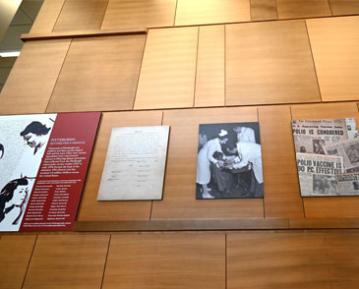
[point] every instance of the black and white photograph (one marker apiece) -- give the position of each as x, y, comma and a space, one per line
229, 161
23, 139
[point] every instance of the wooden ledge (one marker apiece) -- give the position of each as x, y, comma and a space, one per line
82, 33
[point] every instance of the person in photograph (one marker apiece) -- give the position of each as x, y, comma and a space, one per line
353, 154
318, 146
12, 200
35, 135
206, 158
250, 154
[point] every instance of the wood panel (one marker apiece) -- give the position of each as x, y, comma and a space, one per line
47, 17
93, 210
168, 71
139, 13
281, 189
335, 44
263, 10
179, 200
269, 62
340, 7
156, 261
212, 11
15, 252
81, 15
268, 260
99, 74
210, 67
289, 9
334, 207
67, 261
33, 77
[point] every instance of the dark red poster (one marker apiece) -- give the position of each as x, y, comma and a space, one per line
60, 179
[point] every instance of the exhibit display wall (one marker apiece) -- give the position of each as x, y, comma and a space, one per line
182, 64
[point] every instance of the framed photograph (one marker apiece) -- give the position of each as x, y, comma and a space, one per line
229, 161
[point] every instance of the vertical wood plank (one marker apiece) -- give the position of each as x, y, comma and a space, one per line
15, 252
289, 9
81, 15
335, 44
93, 210
349, 7
163, 260
269, 62
212, 11
33, 77
139, 13
210, 67
269, 260
68, 261
47, 17
281, 188
168, 71
263, 10
99, 74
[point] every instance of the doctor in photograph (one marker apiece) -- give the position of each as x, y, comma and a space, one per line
250, 153
12, 201
204, 160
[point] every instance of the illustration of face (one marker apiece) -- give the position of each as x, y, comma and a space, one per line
20, 195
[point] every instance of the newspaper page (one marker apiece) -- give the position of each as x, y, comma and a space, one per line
327, 153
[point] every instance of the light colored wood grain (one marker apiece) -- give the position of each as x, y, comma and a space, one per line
168, 71
99, 74
210, 67
335, 207
269, 62
348, 7
122, 14
73, 261
15, 252
165, 260
47, 17
263, 10
81, 15
271, 260
93, 210
281, 189
335, 44
33, 77
212, 11
179, 199
289, 9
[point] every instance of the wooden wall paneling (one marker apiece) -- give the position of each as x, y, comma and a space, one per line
289, 9
268, 260
281, 189
93, 210
269, 62
168, 70
212, 11
33, 77
210, 67
15, 252
73, 261
163, 260
335, 44
179, 200
47, 17
81, 15
263, 10
139, 13
330, 207
348, 7
343, 253
99, 73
